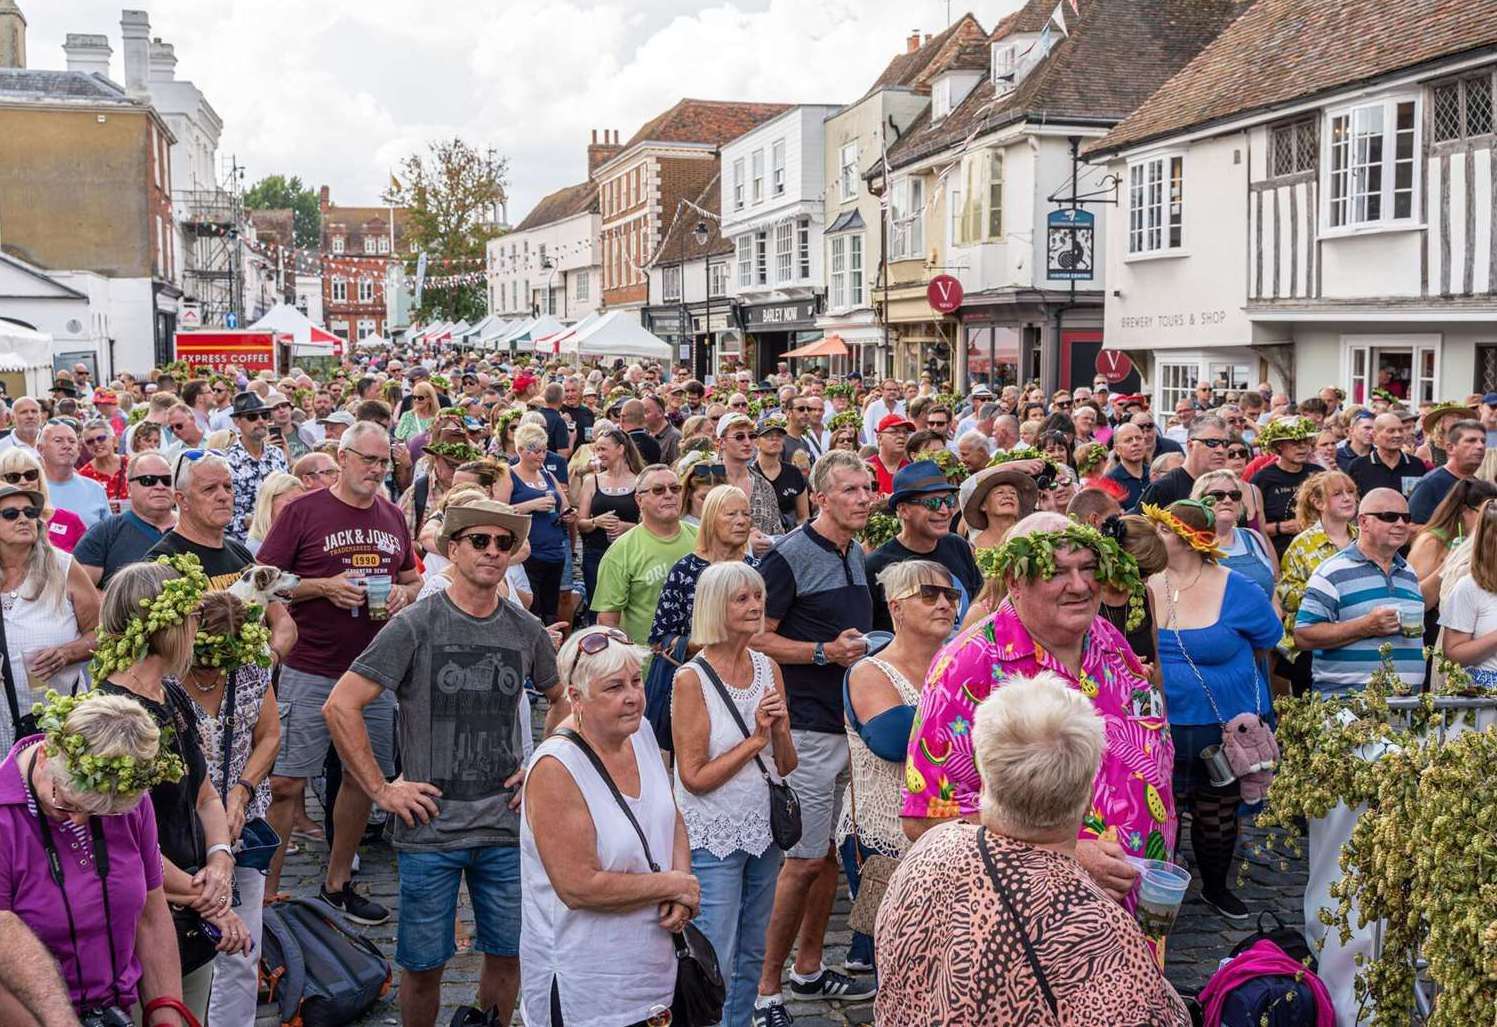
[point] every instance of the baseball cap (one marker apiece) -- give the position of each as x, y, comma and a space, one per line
733, 421
892, 421
1489, 400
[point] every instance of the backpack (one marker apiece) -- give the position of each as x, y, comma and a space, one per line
1263, 987
315, 969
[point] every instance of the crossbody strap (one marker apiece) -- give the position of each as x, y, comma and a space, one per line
701, 663
618, 796
11, 696
226, 736
1008, 904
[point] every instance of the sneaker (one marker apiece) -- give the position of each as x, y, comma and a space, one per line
837, 987
354, 906
857, 966
775, 1015
1228, 905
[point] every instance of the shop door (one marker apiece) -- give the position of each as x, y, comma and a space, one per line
1411, 372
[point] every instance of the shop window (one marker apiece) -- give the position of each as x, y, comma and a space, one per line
1156, 196
1372, 152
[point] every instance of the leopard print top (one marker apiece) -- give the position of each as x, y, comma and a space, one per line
948, 952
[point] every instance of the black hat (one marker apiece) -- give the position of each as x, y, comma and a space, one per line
65, 386
247, 403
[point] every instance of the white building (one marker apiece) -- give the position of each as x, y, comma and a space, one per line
691, 277
71, 306
309, 297
773, 214
549, 264
1330, 224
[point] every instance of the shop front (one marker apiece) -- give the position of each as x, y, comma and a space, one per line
773, 328
703, 340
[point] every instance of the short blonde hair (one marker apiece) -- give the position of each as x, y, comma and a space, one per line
712, 508
110, 725
272, 488
1226, 474
900, 579
133, 585
582, 669
715, 590
527, 434
1037, 744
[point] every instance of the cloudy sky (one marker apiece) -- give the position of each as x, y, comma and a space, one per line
336, 91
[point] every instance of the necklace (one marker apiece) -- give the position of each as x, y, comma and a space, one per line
207, 689
1175, 595
8, 599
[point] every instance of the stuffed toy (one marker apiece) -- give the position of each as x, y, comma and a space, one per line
1249, 745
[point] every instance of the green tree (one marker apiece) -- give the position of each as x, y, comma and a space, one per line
277, 192
452, 195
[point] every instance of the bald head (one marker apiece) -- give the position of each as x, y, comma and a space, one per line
1383, 501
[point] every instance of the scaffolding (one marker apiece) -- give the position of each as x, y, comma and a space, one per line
213, 275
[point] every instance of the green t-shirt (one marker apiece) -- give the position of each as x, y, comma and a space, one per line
632, 571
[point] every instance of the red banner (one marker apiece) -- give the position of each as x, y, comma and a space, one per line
253, 351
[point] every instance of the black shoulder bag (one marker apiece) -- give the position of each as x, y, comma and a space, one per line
1008, 904
700, 991
784, 804
24, 724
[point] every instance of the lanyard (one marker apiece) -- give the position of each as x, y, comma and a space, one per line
101, 869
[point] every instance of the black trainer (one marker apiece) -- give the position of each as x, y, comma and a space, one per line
775, 1015
836, 987
1228, 905
354, 906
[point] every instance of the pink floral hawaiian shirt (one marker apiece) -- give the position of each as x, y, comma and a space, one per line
1132, 801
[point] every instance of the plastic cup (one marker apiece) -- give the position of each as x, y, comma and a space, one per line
35, 681
377, 595
1160, 890
1413, 624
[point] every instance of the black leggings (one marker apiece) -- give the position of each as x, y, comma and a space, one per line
545, 585
1213, 834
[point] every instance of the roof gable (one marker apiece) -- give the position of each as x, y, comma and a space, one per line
914, 70
1284, 50
713, 122
564, 203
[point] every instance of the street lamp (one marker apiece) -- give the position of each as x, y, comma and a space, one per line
699, 235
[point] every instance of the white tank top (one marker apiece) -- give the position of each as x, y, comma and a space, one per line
30, 625
734, 816
610, 968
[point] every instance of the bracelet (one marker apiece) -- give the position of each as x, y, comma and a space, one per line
248, 786
220, 847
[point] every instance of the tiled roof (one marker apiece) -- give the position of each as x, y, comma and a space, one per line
1032, 17
705, 121
1283, 50
35, 83
975, 55
914, 70
682, 227
1116, 54
564, 203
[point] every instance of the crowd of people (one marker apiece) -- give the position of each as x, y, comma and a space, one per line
586, 638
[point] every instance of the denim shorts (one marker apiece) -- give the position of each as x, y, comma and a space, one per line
428, 903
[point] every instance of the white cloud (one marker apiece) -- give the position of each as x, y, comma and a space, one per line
336, 91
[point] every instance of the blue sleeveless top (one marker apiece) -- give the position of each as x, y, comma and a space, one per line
548, 538
1246, 556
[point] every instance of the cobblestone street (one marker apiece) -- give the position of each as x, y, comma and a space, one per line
1200, 938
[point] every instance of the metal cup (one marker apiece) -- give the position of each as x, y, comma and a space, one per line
1218, 769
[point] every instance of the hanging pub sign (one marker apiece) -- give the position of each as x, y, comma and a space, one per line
1071, 245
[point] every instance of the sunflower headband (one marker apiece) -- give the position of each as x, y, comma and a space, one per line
1033, 556
104, 775
1202, 540
178, 599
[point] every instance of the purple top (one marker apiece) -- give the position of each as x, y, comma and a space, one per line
26, 887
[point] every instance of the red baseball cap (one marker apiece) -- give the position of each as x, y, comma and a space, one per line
892, 421
523, 381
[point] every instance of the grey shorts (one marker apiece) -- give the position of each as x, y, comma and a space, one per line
819, 779
304, 734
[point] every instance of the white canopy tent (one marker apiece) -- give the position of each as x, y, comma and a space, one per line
491, 333
25, 359
552, 344
307, 340
372, 342
522, 338
471, 335
615, 335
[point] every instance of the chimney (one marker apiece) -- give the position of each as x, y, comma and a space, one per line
163, 61
927, 37
12, 35
88, 54
913, 43
135, 28
322, 199
601, 153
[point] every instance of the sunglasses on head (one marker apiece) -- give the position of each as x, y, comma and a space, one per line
930, 594
482, 540
152, 480
16, 477
1391, 516
710, 471
1217, 496
31, 513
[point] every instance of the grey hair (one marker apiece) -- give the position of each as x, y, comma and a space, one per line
978, 438
1207, 423
830, 462
715, 590
358, 431
585, 668
184, 470
1037, 744
110, 725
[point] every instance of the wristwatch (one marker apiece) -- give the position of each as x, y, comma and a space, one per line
818, 655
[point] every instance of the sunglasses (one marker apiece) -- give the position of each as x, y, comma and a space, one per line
31, 513
1392, 516
675, 488
738, 436
482, 540
253, 415
1239, 453
95, 440
931, 594
16, 477
152, 480
595, 642
934, 503
191, 456
1212, 443
1216, 497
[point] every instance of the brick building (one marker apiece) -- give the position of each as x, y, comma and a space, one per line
670, 160
357, 250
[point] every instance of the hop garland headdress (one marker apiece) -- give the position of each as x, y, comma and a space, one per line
251, 647
1033, 556
846, 419
178, 599
1286, 429
103, 775
1023, 453
845, 389
1202, 540
457, 452
955, 471
503, 420
1091, 457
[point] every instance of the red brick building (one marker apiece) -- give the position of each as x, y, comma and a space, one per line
672, 158
358, 244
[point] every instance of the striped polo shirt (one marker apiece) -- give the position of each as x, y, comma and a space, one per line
1347, 586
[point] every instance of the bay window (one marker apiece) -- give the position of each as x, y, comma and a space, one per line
1370, 166
908, 236
981, 218
1156, 205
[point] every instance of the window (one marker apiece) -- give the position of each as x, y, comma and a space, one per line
1156, 225
838, 290
784, 243
940, 99
366, 290
555, 299
1462, 109
340, 291
717, 279
745, 254
758, 159
1295, 147
340, 329
777, 166
855, 269
908, 235
542, 251
583, 286
1003, 67
670, 284
370, 246
848, 175
761, 258
337, 244
803, 245
1177, 382
982, 198
384, 244
1371, 158
738, 181
365, 328
514, 294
